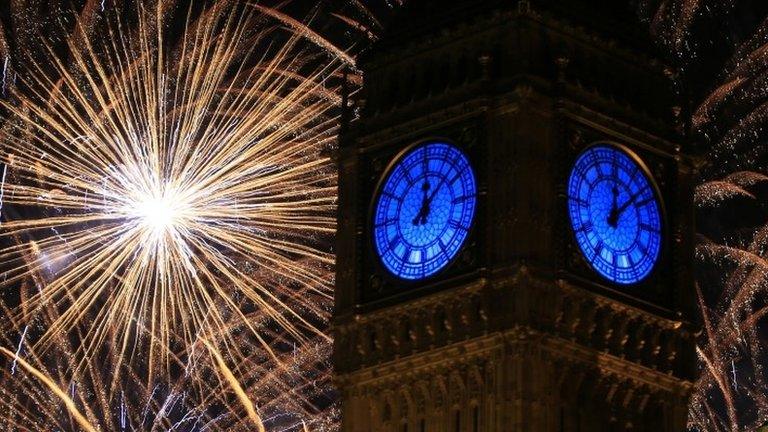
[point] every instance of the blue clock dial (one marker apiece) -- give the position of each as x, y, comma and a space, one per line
615, 214
424, 210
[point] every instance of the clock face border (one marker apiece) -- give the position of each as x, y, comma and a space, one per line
666, 291
383, 177
659, 260
374, 287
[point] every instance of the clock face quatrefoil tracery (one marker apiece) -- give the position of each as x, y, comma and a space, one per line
423, 210
615, 213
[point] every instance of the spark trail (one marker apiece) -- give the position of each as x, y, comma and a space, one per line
168, 204
182, 176
725, 78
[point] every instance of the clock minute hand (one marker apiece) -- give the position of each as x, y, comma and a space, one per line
421, 216
614, 217
629, 201
434, 192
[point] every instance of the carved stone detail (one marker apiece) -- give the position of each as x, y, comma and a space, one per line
518, 334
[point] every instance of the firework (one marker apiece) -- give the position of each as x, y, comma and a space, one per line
727, 121
212, 393
168, 201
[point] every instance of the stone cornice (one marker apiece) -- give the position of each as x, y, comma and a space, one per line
491, 347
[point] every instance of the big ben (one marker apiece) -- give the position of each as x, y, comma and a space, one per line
515, 238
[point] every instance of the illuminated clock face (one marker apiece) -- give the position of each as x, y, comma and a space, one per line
615, 214
423, 210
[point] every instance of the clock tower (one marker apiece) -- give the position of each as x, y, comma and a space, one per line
515, 233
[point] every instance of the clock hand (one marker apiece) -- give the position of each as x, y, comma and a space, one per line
629, 201
613, 216
434, 192
428, 202
624, 206
421, 216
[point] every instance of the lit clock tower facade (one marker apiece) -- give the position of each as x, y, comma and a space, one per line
515, 227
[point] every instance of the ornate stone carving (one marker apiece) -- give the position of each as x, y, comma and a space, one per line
519, 328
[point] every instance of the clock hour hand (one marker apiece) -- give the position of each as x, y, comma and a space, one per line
613, 216
421, 217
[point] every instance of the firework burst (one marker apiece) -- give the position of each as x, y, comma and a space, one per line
168, 199
725, 78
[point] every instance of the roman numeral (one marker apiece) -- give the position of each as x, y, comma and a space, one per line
386, 222
392, 244
639, 176
407, 174
458, 174
598, 248
391, 196
440, 170
644, 202
600, 174
442, 246
461, 199
580, 202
